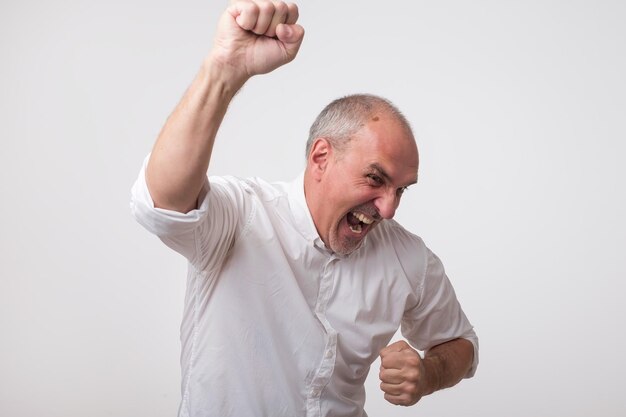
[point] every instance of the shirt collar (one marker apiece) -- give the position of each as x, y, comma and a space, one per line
303, 219
300, 211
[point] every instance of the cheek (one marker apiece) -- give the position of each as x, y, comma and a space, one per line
342, 197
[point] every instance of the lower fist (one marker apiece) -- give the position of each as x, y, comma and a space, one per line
402, 374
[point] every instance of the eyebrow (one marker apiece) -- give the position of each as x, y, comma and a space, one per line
380, 171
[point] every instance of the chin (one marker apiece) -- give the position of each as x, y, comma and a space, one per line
345, 247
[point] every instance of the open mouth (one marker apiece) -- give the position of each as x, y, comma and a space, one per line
358, 222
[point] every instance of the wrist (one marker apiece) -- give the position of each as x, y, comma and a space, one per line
432, 373
228, 76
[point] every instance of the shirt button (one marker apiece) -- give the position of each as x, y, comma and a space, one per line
315, 392
329, 354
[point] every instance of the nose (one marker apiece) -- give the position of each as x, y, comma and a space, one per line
386, 204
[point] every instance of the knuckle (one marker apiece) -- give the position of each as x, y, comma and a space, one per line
413, 360
266, 7
293, 8
252, 8
410, 388
413, 375
281, 7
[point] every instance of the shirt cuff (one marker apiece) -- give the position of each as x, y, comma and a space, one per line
163, 222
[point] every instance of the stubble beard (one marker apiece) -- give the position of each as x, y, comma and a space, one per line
343, 245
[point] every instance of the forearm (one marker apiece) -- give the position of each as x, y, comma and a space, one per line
446, 364
252, 38
181, 154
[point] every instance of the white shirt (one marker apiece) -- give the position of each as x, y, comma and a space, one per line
277, 325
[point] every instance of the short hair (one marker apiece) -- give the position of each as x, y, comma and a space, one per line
345, 116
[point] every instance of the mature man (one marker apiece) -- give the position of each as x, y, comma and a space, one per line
294, 289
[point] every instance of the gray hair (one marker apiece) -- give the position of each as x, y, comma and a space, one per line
345, 116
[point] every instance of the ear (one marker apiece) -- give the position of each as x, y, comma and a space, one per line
319, 157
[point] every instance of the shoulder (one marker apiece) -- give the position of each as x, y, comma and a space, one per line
249, 197
393, 241
391, 234
253, 186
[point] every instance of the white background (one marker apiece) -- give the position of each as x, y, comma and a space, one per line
519, 109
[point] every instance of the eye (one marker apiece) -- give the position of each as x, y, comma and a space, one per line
375, 180
401, 191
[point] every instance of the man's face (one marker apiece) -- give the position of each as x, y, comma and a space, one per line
363, 185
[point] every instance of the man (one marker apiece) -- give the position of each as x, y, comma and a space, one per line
294, 289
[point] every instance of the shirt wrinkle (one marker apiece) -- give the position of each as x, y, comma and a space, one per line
276, 324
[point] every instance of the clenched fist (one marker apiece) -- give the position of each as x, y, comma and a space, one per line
402, 374
256, 37
253, 37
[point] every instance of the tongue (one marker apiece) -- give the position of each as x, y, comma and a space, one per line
352, 221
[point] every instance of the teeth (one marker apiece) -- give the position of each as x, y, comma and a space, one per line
362, 217
356, 229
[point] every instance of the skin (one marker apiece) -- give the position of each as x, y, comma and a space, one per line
369, 177
256, 37
252, 38
406, 377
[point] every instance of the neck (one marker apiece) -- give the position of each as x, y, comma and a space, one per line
313, 198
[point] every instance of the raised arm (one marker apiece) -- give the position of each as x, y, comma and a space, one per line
253, 37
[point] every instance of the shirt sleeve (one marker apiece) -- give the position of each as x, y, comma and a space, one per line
438, 317
203, 235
